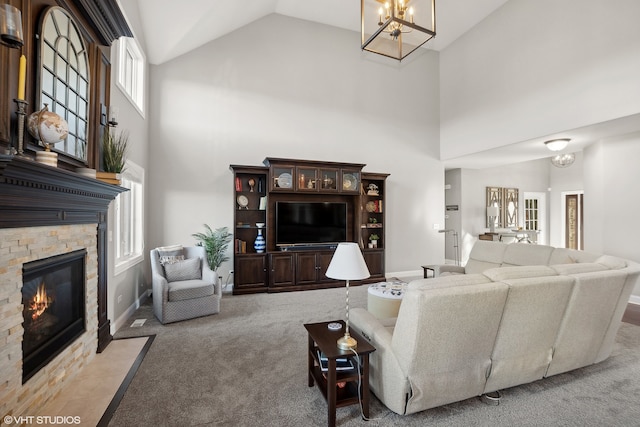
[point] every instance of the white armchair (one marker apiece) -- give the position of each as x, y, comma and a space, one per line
184, 288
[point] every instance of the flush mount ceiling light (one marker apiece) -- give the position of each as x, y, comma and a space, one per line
557, 144
563, 160
395, 28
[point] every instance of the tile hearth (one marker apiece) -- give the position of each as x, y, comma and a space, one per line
89, 394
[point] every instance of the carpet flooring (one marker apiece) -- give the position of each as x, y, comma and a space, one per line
246, 366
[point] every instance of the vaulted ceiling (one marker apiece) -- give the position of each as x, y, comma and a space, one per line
172, 28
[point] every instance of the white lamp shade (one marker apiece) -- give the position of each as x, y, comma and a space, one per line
347, 263
492, 211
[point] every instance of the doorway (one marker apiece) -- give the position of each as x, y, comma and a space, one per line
573, 220
535, 215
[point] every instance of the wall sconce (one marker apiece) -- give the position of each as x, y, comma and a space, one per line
114, 112
11, 26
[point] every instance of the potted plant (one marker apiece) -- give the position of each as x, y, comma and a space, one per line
373, 239
114, 149
215, 244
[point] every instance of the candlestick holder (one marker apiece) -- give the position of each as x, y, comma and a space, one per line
22, 112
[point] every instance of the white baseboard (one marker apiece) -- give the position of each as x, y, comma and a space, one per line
120, 321
635, 299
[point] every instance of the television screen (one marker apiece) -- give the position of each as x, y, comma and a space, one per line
310, 222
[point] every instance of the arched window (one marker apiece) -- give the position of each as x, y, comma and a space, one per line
64, 78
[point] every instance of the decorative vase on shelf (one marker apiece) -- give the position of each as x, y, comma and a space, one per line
260, 244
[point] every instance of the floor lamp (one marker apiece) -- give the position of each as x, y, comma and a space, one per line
455, 242
347, 264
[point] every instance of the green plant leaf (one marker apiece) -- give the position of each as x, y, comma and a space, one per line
215, 243
114, 149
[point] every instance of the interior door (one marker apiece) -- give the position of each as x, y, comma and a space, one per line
574, 233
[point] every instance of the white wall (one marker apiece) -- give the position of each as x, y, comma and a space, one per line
283, 87
537, 67
611, 198
526, 177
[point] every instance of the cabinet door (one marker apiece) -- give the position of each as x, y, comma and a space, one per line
350, 181
282, 270
375, 262
307, 179
250, 272
282, 178
306, 268
322, 262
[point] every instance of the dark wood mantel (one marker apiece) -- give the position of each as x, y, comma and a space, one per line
33, 195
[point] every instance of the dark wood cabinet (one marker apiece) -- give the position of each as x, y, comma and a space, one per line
257, 192
374, 258
311, 267
282, 269
250, 274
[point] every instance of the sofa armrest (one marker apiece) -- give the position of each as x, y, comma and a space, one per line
386, 378
160, 293
212, 277
438, 269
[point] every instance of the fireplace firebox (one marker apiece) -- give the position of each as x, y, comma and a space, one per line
53, 298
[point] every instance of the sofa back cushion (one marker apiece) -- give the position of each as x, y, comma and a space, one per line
518, 272
485, 255
532, 316
526, 254
612, 262
570, 256
448, 281
591, 311
582, 267
443, 341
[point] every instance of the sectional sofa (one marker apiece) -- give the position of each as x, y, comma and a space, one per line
514, 314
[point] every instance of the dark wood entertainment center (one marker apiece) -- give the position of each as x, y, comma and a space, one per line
258, 190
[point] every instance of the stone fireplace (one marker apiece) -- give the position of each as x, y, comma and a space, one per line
52, 231
53, 308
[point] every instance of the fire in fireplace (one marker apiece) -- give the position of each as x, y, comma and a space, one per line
53, 308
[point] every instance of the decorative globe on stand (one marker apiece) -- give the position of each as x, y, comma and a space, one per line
48, 128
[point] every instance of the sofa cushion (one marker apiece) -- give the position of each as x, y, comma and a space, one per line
170, 254
611, 262
526, 254
519, 272
485, 255
190, 289
569, 256
583, 267
448, 281
189, 269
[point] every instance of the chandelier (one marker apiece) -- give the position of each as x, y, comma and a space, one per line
560, 160
395, 28
563, 160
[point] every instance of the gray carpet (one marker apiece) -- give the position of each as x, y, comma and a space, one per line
247, 367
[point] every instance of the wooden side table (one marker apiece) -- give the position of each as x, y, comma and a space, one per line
322, 339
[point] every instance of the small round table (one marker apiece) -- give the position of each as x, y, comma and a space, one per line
384, 299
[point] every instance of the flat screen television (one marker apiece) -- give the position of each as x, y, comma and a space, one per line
310, 223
